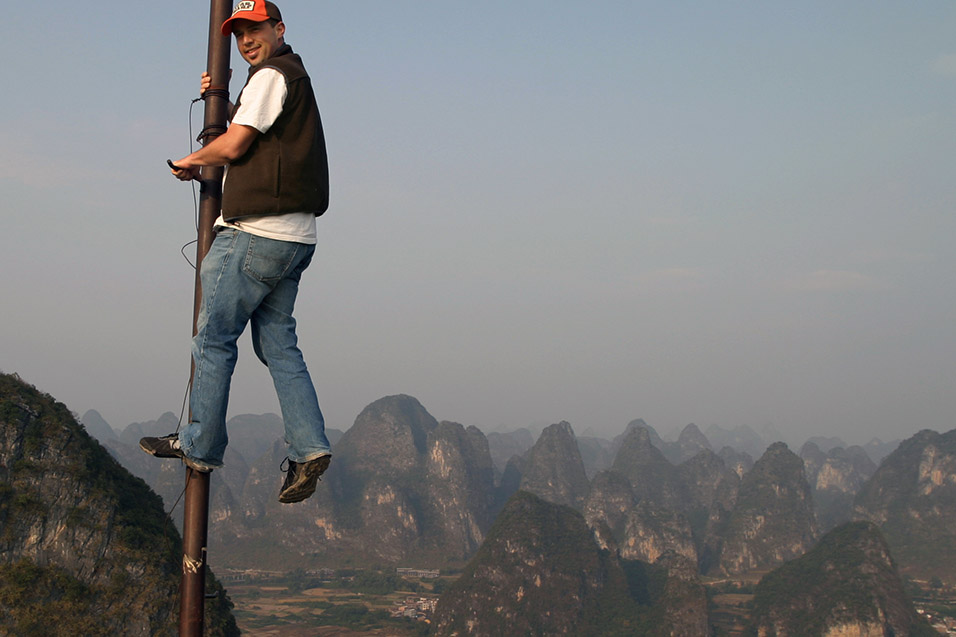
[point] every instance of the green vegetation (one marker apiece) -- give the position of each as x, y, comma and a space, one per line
846, 577
362, 581
48, 602
353, 616
359, 617
777, 467
634, 609
918, 525
840, 555
305, 603
53, 473
139, 522
610, 597
944, 610
742, 588
439, 586
373, 583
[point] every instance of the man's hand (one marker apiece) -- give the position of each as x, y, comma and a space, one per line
223, 150
205, 82
182, 171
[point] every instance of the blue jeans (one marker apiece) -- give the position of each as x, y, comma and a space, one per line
250, 279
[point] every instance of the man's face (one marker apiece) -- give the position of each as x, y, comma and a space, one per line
257, 41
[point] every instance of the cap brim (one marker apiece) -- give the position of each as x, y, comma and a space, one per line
226, 27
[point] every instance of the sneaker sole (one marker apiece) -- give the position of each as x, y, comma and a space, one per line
189, 463
305, 488
153, 453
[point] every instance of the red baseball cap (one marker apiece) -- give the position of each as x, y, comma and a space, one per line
255, 10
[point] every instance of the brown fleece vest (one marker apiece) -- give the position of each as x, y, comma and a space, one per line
286, 168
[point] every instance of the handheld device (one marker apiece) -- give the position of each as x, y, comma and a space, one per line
202, 184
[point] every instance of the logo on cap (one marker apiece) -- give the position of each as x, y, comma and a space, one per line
245, 5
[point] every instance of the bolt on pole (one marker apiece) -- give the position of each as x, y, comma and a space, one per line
196, 501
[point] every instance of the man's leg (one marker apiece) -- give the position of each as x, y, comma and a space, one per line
276, 344
230, 296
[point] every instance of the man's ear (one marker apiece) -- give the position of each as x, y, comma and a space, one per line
280, 29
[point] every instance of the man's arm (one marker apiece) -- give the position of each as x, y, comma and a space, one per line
267, 92
223, 150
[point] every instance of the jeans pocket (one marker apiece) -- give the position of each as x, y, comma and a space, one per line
268, 260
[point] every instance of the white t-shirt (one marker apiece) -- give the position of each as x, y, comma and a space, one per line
260, 106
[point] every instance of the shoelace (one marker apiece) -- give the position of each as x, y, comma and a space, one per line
287, 463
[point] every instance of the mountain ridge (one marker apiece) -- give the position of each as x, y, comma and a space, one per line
85, 548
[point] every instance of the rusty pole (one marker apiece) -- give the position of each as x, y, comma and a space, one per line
196, 500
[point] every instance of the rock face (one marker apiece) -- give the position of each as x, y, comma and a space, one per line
742, 438
596, 454
97, 427
539, 572
645, 506
651, 531
835, 478
877, 450
377, 486
608, 508
684, 602
651, 475
710, 495
773, 519
912, 498
737, 461
639, 423
636, 529
846, 585
390, 436
504, 446
826, 443
400, 482
510, 480
554, 469
401, 485
691, 442
83, 540
710, 488
460, 481
239, 491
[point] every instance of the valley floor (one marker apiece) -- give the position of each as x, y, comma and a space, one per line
280, 606
290, 605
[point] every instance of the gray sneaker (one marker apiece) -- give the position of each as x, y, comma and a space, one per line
300, 479
168, 447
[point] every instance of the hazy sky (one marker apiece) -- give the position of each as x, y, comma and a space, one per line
721, 213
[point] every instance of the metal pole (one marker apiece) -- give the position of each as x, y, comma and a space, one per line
196, 500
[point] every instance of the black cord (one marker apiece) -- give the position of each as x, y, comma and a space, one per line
182, 411
169, 514
212, 129
193, 183
182, 251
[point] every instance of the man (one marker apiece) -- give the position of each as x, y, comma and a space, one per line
276, 184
